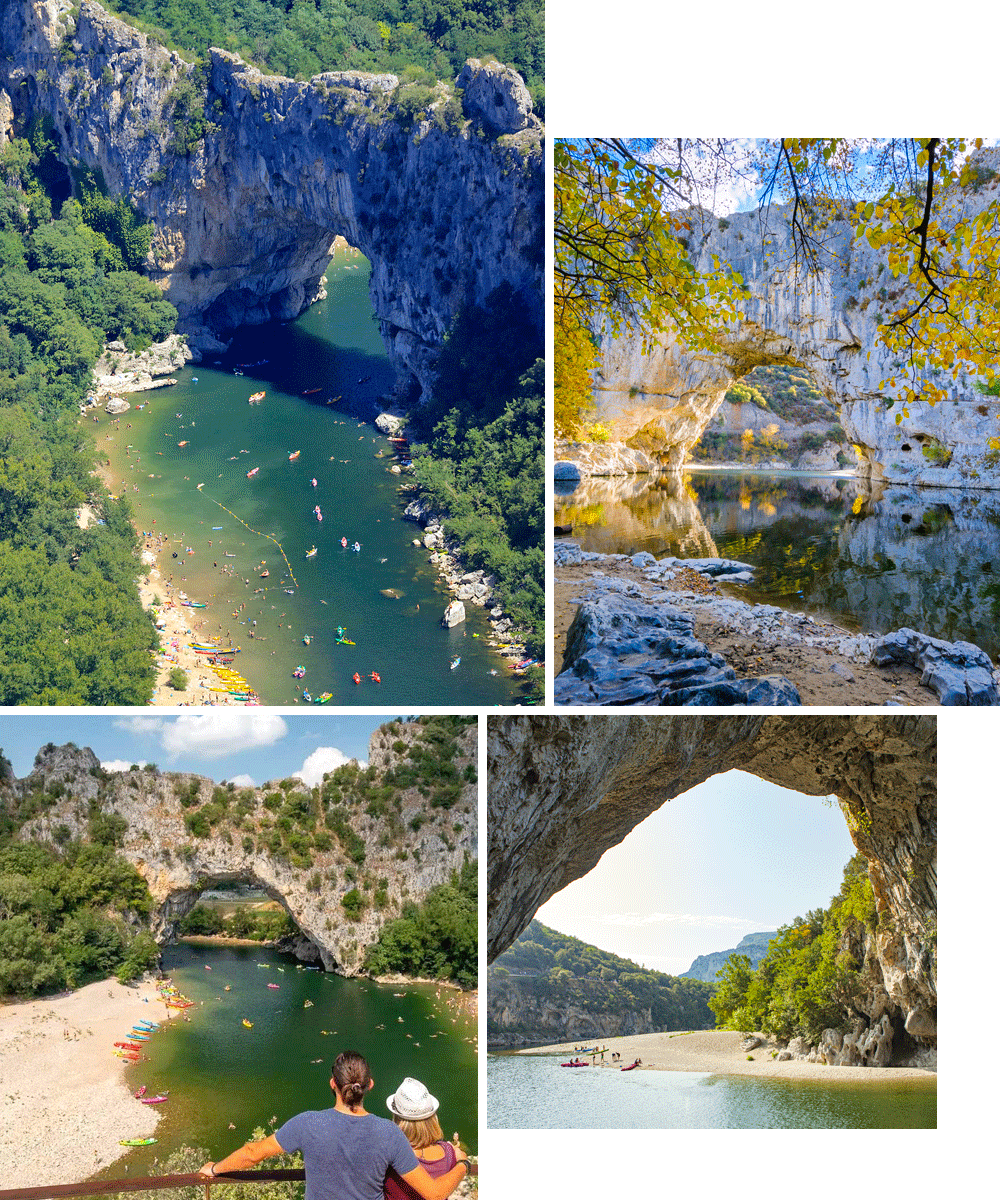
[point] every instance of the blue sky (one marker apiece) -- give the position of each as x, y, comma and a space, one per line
242, 744
735, 855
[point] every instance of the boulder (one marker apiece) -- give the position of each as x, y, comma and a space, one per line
387, 423
117, 405
454, 614
496, 94
960, 673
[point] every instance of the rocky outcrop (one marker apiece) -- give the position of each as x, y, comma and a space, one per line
178, 866
563, 789
707, 966
662, 401
245, 217
519, 1013
121, 370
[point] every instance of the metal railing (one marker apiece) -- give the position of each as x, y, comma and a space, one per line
152, 1183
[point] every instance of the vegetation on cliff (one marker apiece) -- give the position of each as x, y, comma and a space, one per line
556, 969
203, 921
437, 938
813, 975
72, 629
300, 38
628, 211
480, 454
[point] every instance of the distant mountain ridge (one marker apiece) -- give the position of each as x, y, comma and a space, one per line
707, 966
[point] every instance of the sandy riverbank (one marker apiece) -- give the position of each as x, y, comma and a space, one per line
719, 1053
176, 623
821, 676
67, 1100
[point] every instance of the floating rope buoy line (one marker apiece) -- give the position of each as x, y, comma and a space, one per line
258, 533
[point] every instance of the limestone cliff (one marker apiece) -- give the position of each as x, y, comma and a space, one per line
562, 790
444, 198
707, 966
412, 847
662, 401
520, 1014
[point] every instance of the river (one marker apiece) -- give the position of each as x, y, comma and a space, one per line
386, 596
217, 1071
536, 1093
871, 561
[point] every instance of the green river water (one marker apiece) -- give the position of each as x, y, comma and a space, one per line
334, 346
218, 1072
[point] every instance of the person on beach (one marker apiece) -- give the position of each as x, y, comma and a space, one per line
414, 1110
347, 1150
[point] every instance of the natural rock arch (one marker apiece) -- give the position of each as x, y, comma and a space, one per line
562, 790
448, 210
660, 402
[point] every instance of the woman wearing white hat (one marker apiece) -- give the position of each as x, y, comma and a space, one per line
414, 1110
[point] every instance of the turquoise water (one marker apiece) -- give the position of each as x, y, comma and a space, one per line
217, 1071
872, 563
536, 1093
387, 596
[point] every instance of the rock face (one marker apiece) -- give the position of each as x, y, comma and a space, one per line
562, 790
707, 966
662, 401
518, 1017
246, 220
178, 866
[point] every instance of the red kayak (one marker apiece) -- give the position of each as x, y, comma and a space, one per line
631, 1066
575, 1064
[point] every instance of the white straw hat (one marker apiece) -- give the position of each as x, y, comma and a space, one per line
412, 1101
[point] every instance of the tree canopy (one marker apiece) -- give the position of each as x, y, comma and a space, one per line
624, 208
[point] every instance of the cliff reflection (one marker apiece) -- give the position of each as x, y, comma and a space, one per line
872, 560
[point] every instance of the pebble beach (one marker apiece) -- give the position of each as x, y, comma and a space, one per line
66, 1099
719, 1052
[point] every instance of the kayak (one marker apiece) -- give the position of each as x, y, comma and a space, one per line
630, 1067
256, 398
356, 677
455, 662
312, 553
251, 474
248, 1024
293, 457
274, 985
152, 1099
575, 1064
137, 1142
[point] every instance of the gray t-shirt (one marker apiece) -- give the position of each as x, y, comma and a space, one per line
346, 1157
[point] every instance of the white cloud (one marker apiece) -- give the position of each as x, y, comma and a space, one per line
221, 732
122, 764
325, 758
243, 781
140, 724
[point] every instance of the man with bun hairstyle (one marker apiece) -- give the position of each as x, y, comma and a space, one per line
347, 1151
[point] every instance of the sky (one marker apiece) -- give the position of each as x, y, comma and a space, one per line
246, 745
735, 855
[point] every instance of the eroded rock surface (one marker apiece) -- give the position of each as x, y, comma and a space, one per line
662, 401
564, 789
178, 866
245, 220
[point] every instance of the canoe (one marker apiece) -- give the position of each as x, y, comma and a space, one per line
137, 1142
152, 1099
256, 398
575, 1064
294, 456
455, 662
274, 985
248, 1024
251, 474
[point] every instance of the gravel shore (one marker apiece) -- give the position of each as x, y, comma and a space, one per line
719, 1052
67, 1100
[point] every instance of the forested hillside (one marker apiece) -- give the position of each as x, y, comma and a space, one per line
547, 985
72, 630
300, 38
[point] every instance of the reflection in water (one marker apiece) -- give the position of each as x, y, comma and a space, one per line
870, 560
